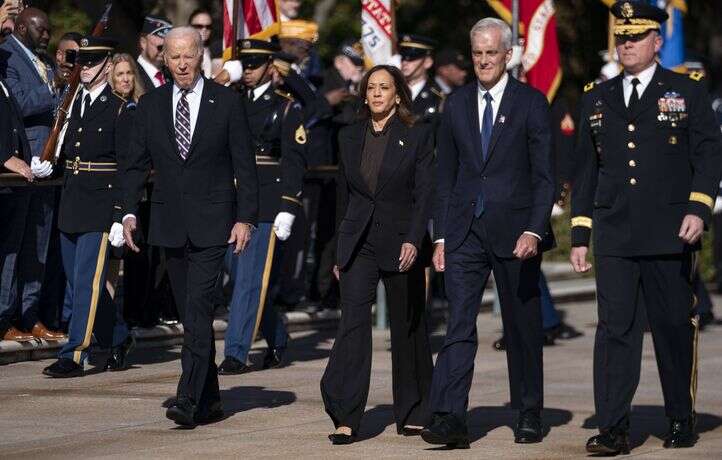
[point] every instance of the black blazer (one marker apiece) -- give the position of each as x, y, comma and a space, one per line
517, 179
400, 208
194, 199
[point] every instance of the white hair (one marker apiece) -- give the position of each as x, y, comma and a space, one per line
186, 32
493, 23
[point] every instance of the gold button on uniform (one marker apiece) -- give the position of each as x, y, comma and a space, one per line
673, 140
80, 130
632, 163
77, 144
631, 127
633, 181
631, 145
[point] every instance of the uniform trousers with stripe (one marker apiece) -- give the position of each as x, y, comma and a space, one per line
665, 284
246, 270
85, 260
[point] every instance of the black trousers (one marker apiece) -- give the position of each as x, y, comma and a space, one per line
193, 272
666, 286
345, 383
467, 270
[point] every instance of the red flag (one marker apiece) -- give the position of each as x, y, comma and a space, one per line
254, 19
541, 60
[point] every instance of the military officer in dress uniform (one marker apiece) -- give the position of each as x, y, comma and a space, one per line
96, 136
279, 138
650, 153
416, 62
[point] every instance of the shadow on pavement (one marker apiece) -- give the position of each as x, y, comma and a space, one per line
484, 419
646, 421
375, 421
242, 399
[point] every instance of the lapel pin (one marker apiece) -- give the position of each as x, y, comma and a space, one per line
212, 101
401, 143
502, 119
103, 98
266, 97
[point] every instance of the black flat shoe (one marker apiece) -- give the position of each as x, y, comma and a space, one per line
274, 358
681, 433
232, 366
182, 412
338, 439
448, 430
408, 431
117, 361
64, 368
528, 429
609, 443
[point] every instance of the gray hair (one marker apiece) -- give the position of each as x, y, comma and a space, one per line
186, 32
493, 23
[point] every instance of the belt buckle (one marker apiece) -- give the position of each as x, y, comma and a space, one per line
76, 165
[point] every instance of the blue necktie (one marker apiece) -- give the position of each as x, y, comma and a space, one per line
486, 127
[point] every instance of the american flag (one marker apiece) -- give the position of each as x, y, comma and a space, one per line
255, 19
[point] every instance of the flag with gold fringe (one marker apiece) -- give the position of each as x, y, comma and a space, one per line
248, 19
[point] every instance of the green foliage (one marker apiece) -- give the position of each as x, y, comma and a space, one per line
66, 17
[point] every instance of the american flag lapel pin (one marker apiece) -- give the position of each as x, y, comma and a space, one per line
212, 101
502, 119
401, 143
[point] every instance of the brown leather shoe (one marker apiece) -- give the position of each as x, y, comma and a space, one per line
17, 336
41, 332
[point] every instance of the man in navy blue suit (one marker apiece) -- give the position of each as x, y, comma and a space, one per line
495, 194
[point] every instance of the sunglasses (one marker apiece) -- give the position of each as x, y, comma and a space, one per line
202, 26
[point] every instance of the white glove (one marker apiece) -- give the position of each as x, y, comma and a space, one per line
116, 235
41, 169
282, 225
717, 205
557, 210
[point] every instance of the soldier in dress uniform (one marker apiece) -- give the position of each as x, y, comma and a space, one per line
279, 138
650, 160
95, 137
416, 62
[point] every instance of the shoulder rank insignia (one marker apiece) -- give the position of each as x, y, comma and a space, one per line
589, 86
438, 93
284, 94
696, 75
301, 135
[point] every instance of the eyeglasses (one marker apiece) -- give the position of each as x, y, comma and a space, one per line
202, 26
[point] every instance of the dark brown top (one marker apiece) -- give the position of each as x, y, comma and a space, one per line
372, 154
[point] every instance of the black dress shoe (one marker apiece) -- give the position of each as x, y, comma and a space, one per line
117, 359
499, 344
409, 431
338, 439
612, 442
528, 429
682, 433
232, 366
64, 368
273, 358
566, 332
209, 414
182, 412
447, 429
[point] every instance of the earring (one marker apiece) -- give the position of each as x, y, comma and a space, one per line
366, 101
398, 101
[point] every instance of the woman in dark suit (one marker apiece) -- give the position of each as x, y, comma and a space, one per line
384, 191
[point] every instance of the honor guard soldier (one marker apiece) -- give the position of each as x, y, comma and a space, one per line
416, 62
650, 153
95, 137
279, 138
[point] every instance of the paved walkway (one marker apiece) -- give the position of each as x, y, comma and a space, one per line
278, 413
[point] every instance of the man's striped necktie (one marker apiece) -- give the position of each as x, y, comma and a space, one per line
183, 125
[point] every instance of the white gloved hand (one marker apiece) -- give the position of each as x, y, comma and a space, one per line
282, 225
717, 205
41, 169
116, 235
557, 210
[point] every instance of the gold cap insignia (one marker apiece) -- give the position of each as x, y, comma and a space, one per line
246, 44
84, 42
627, 10
300, 135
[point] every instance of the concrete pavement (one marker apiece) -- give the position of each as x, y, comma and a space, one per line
279, 414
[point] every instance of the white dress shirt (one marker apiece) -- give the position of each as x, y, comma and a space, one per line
645, 77
416, 88
93, 96
194, 101
497, 91
150, 69
258, 92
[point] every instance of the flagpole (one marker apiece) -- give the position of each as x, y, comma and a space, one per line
234, 44
515, 31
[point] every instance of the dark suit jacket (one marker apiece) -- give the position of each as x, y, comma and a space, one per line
13, 141
194, 199
517, 180
400, 208
34, 99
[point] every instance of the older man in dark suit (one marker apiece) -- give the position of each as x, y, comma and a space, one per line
194, 134
495, 194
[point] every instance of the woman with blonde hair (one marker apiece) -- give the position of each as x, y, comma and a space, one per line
124, 78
